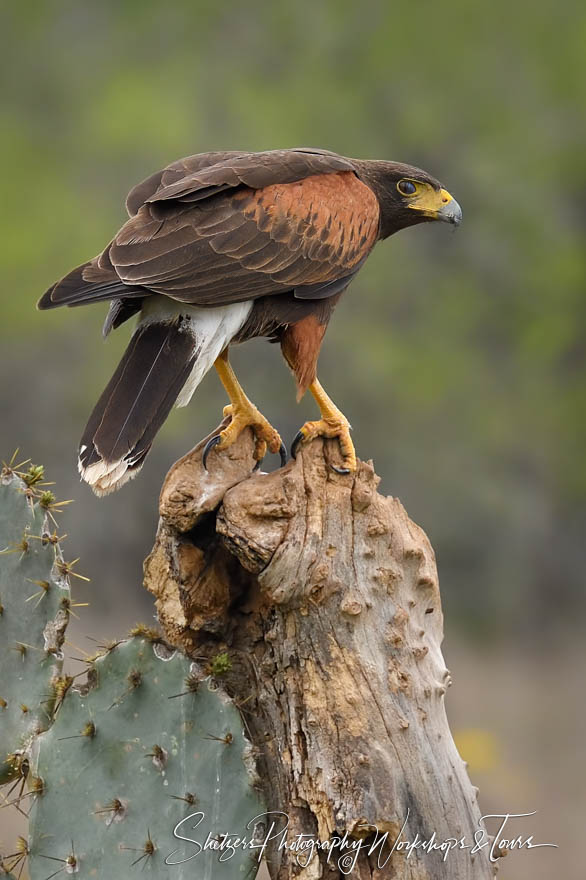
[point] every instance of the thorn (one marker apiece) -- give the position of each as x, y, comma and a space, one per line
65, 569
188, 797
117, 810
36, 788
47, 498
45, 587
36, 785
159, 756
20, 855
34, 476
227, 739
30, 496
48, 501
191, 683
11, 466
134, 679
109, 646
23, 647
73, 645
88, 731
22, 547
67, 606
147, 850
19, 763
70, 864
141, 630
47, 538
60, 685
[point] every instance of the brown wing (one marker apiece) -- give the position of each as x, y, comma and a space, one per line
217, 228
178, 170
205, 174
246, 243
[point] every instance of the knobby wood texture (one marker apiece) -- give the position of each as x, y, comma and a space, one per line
325, 595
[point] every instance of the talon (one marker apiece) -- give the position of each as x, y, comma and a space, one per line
331, 428
340, 470
333, 424
295, 445
208, 448
283, 454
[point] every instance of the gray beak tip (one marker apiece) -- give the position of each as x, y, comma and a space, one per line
451, 213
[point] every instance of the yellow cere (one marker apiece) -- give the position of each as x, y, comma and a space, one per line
427, 199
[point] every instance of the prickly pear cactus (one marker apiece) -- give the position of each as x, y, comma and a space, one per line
148, 746
143, 767
34, 610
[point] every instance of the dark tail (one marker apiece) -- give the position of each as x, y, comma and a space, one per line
88, 283
135, 403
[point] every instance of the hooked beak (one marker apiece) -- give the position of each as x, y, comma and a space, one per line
450, 211
438, 206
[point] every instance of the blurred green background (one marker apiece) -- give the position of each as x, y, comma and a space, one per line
460, 359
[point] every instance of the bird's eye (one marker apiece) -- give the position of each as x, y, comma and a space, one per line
406, 187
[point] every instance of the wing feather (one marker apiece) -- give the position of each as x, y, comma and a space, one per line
220, 228
249, 242
176, 171
254, 170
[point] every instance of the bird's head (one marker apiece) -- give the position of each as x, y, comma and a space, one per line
407, 196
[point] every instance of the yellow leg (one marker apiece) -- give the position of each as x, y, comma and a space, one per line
333, 423
244, 414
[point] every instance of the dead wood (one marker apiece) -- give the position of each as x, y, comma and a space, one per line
325, 595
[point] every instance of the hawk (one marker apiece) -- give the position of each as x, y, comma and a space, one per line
220, 248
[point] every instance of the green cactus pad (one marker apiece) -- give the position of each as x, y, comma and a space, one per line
34, 606
149, 743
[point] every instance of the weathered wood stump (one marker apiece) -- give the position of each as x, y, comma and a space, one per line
326, 597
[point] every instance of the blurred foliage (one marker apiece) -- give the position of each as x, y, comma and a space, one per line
459, 359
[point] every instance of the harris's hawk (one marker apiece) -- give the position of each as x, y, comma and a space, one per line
220, 248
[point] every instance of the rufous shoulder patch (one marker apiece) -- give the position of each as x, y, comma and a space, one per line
330, 217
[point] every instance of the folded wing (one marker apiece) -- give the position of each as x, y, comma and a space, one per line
222, 228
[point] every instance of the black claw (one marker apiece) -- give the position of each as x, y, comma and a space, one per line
283, 454
208, 448
295, 445
340, 470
